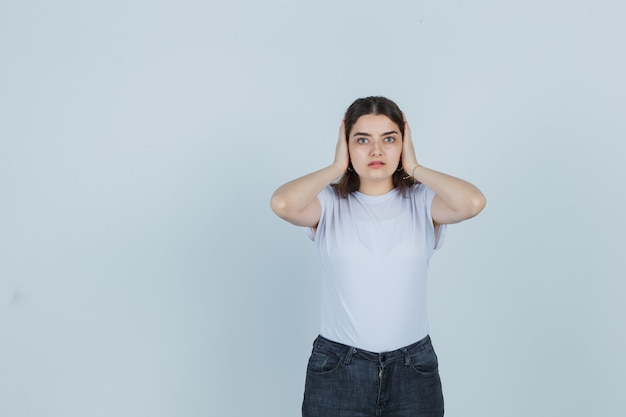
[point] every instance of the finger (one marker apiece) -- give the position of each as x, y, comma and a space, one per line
341, 151
407, 132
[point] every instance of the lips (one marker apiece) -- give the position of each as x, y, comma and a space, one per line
376, 164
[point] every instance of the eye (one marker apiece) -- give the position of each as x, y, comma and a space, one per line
361, 140
390, 139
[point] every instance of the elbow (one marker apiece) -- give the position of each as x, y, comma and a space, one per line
278, 205
477, 204
473, 206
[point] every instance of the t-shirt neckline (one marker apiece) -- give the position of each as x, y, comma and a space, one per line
381, 197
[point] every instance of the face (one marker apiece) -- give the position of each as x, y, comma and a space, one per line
375, 146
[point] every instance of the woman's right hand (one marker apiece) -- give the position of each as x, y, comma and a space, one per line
342, 156
296, 201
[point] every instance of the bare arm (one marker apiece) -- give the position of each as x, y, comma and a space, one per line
296, 201
455, 200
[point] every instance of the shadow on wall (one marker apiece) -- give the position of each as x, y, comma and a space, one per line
10, 296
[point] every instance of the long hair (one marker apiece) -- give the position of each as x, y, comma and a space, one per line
375, 105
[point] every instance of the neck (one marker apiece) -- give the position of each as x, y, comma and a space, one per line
376, 188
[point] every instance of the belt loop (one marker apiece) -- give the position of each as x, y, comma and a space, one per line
349, 356
407, 357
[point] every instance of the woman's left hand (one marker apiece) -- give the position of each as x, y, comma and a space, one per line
455, 199
409, 160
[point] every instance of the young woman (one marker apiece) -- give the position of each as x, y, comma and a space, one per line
375, 230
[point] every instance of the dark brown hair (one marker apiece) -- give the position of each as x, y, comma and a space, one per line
350, 182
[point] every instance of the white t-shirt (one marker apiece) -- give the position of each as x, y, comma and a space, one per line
374, 253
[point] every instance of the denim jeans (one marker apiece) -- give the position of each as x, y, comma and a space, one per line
343, 381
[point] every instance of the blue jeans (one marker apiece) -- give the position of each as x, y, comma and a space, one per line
343, 381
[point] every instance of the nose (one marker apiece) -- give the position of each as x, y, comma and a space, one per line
376, 148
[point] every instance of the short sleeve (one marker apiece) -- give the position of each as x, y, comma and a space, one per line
325, 197
439, 233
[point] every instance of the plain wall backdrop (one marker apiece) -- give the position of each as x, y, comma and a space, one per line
142, 272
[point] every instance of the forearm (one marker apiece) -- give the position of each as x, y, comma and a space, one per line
460, 195
296, 195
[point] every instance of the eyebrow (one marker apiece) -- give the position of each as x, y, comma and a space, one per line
391, 132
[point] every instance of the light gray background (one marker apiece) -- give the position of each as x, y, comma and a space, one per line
142, 272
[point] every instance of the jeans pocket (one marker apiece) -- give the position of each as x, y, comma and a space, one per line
322, 361
425, 361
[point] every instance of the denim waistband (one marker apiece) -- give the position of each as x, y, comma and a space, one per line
349, 352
